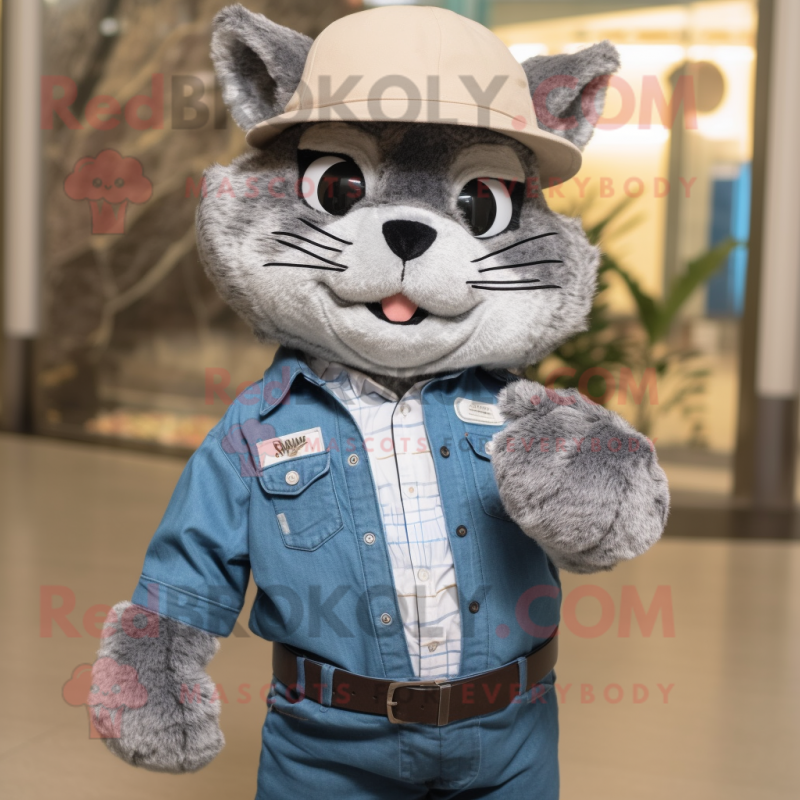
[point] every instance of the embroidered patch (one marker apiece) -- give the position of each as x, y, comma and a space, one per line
472, 411
284, 524
291, 446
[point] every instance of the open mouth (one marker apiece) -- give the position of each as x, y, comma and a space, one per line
398, 310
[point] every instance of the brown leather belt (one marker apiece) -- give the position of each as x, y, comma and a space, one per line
428, 702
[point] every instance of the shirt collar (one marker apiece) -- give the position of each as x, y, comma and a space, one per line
280, 376
288, 364
334, 372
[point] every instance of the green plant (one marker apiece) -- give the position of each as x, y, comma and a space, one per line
654, 354
645, 350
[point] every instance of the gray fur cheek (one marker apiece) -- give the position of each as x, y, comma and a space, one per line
528, 326
577, 478
168, 729
244, 204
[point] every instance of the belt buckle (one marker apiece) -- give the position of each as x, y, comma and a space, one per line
444, 699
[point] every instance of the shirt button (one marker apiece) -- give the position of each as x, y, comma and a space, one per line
369, 538
489, 448
445, 451
474, 606
410, 490
352, 460
292, 477
461, 530
386, 619
432, 647
404, 409
423, 575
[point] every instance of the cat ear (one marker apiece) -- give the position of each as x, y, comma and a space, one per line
258, 63
569, 90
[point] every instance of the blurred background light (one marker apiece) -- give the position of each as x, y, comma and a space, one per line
524, 50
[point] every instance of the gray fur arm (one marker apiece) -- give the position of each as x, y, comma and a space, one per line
578, 478
150, 698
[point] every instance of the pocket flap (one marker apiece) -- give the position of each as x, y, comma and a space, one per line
482, 446
295, 475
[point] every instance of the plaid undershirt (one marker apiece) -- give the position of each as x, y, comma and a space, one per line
408, 492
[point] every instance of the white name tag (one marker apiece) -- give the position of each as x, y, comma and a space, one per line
473, 411
291, 446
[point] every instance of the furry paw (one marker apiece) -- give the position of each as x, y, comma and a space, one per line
577, 478
150, 698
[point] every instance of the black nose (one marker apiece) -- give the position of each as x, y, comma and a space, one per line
408, 239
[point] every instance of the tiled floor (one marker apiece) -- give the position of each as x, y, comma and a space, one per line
78, 518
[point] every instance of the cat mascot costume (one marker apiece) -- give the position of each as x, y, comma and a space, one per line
403, 501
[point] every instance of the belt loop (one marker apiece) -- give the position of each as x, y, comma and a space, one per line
522, 663
300, 686
326, 679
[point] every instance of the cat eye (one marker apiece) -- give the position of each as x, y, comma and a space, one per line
332, 184
486, 203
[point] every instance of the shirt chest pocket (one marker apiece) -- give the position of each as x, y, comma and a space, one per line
480, 455
303, 500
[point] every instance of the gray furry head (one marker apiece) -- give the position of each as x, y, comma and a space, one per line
402, 283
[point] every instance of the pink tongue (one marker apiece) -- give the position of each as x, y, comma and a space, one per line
398, 308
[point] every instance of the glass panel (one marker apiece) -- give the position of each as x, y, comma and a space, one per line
135, 333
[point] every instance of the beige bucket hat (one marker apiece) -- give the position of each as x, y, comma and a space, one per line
419, 64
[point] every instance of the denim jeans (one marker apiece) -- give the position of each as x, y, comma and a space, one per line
310, 752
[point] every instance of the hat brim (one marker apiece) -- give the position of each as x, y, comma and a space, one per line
558, 159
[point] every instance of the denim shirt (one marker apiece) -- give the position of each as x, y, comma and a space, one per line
326, 587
